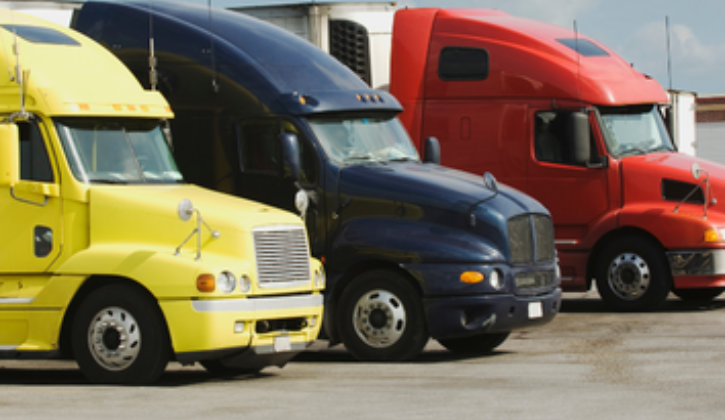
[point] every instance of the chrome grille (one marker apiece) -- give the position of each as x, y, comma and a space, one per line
282, 255
531, 238
544, 229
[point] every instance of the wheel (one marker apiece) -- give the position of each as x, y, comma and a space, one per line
633, 274
698, 295
119, 337
217, 368
477, 344
382, 318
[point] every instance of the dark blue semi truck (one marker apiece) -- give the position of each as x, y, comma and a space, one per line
412, 250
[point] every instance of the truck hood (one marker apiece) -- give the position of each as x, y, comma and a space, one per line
148, 217
650, 178
430, 191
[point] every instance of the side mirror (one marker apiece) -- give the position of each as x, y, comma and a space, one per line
9, 155
290, 156
432, 151
579, 137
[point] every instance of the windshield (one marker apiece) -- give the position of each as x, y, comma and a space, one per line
634, 130
117, 150
358, 140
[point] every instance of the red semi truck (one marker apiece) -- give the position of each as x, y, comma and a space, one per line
565, 119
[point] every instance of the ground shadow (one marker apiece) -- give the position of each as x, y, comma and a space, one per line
339, 354
28, 375
672, 305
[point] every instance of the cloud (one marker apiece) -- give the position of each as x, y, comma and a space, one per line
558, 12
691, 58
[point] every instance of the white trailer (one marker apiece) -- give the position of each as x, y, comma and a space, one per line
358, 34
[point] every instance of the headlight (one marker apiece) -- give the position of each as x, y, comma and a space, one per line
495, 279
320, 278
226, 282
245, 283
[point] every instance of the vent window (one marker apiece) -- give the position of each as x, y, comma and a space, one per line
41, 35
584, 47
463, 63
677, 191
349, 44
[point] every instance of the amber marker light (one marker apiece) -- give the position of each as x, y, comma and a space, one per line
711, 235
206, 283
471, 277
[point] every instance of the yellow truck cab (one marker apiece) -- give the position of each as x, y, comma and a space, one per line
106, 255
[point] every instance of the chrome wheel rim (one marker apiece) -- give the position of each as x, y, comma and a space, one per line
379, 318
114, 338
629, 276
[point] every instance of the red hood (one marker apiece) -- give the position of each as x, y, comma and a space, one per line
644, 175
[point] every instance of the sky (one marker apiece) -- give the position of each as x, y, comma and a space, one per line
635, 29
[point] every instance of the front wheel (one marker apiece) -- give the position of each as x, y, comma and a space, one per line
477, 344
382, 318
633, 274
119, 337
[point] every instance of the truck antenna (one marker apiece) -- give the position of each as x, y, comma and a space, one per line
669, 56
214, 83
578, 61
21, 76
153, 76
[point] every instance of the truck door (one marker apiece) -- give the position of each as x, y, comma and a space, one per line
30, 226
574, 194
31, 212
261, 177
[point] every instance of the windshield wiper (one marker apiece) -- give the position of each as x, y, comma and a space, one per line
402, 159
632, 151
107, 181
661, 148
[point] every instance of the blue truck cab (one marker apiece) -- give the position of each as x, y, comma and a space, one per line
412, 250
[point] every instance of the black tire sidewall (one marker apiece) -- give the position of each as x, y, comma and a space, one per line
660, 277
154, 353
415, 335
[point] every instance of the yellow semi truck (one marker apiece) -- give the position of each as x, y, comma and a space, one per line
106, 255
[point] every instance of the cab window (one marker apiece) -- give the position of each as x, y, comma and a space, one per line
34, 161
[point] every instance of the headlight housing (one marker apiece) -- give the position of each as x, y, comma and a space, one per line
245, 283
320, 278
495, 279
226, 282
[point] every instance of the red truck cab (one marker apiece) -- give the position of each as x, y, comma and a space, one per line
563, 118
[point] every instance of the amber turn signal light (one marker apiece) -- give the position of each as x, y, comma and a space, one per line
471, 277
206, 283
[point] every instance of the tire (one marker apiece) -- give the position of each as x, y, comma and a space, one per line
217, 368
698, 295
381, 318
633, 274
478, 344
119, 337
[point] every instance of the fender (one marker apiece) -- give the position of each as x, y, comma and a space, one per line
402, 241
165, 275
691, 226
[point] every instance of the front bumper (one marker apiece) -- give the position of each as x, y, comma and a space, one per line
697, 269
249, 331
461, 316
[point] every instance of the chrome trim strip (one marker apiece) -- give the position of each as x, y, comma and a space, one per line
16, 300
8, 348
566, 241
704, 262
257, 304
567, 278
